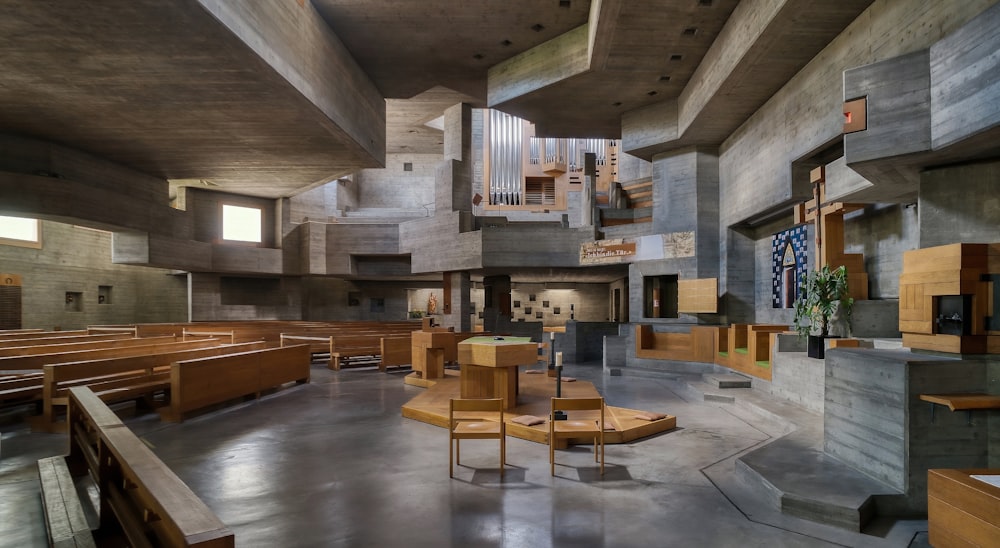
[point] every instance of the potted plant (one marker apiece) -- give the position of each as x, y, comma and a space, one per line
823, 295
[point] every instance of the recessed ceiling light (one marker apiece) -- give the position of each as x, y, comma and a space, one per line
538, 27
477, 56
690, 31
705, 3
676, 57
651, 93
563, 3
616, 104
664, 78
506, 43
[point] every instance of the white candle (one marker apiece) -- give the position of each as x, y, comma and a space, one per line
558, 359
552, 335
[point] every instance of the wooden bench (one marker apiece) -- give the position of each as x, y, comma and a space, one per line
395, 352
342, 347
750, 346
116, 379
143, 503
200, 383
962, 402
62, 339
37, 361
694, 346
962, 510
21, 388
65, 521
190, 334
75, 346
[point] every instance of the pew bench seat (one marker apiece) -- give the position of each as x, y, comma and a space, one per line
65, 520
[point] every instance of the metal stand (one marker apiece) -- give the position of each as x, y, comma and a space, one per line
559, 415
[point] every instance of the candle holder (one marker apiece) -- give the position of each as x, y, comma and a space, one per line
558, 415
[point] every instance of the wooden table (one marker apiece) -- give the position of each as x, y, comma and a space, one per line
489, 366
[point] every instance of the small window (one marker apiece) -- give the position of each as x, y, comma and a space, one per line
241, 224
20, 231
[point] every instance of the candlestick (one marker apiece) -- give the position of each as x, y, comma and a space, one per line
558, 359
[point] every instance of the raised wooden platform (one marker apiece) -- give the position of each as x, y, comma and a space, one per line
535, 393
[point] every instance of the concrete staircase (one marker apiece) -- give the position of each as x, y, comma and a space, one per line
792, 474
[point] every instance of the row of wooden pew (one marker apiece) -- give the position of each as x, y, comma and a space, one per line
142, 502
177, 376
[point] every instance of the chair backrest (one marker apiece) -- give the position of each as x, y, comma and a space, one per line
485, 404
577, 404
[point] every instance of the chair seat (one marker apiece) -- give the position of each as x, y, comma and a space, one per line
477, 428
575, 426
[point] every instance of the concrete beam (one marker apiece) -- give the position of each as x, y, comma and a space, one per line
294, 40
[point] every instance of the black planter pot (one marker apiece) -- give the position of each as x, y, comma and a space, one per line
817, 347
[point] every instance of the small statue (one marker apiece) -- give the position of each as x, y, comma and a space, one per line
432, 304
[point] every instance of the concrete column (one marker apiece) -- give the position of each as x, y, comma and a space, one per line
453, 184
496, 307
457, 306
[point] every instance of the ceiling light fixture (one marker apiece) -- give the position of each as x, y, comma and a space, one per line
664, 78
690, 31
538, 27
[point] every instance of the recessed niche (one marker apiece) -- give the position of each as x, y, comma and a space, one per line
660, 296
104, 294
74, 301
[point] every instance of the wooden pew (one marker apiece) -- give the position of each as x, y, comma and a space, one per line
395, 351
74, 346
750, 348
696, 345
38, 334
142, 502
343, 346
108, 329
37, 361
65, 521
116, 379
20, 389
62, 339
200, 383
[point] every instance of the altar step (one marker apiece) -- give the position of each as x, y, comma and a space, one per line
795, 476
792, 474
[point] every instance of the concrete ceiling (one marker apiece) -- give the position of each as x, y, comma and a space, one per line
165, 88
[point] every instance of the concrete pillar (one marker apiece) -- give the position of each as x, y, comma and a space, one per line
457, 307
496, 305
453, 184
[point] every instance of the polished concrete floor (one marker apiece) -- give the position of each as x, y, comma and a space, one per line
332, 463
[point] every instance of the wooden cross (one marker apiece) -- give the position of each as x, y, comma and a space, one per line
828, 219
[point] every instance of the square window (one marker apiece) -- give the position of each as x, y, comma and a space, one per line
20, 231
241, 224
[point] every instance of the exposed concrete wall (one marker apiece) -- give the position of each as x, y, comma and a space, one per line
874, 420
328, 299
960, 204
584, 341
806, 112
206, 208
394, 187
73, 259
631, 167
220, 297
585, 303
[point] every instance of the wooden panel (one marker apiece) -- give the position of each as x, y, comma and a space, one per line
703, 343
699, 296
498, 353
962, 511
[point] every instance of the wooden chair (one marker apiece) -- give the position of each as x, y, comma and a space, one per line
478, 428
576, 428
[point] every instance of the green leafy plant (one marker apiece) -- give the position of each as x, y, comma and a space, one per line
823, 295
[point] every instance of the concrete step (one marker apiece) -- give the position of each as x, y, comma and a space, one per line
727, 380
887, 343
794, 475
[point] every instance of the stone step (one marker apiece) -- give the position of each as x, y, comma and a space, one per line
706, 392
724, 380
794, 475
